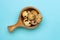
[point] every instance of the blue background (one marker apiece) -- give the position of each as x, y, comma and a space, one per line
49, 29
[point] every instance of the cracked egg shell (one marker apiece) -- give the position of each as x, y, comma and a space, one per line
38, 18
24, 14
34, 12
33, 22
27, 22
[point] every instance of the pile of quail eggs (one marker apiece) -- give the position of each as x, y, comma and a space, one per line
31, 18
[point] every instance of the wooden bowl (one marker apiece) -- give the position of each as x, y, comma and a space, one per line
20, 22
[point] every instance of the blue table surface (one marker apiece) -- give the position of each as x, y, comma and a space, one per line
49, 29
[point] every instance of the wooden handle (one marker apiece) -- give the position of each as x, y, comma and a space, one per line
18, 24
11, 28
